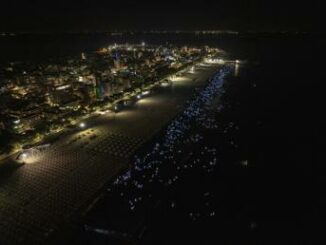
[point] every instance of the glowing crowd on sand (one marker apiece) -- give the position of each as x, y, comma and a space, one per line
133, 185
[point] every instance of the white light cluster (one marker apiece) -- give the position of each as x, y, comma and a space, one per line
147, 169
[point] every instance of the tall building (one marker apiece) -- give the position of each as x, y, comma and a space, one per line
99, 89
117, 64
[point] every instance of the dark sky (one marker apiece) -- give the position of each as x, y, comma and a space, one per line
60, 15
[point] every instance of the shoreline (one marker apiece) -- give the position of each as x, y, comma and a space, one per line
90, 173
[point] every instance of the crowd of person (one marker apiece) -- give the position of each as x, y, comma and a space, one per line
161, 166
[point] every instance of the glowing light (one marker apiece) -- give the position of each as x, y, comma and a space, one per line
101, 112
244, 163
214, 60
164, 84
145, 92
143, 44
138, 96
63, 87
82, 125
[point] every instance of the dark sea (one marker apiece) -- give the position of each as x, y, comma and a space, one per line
278, 196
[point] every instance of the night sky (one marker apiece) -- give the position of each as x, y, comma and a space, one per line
99, 15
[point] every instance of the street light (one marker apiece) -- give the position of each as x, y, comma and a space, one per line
24, 156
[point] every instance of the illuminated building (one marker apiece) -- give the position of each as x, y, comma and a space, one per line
25, 118
60, 94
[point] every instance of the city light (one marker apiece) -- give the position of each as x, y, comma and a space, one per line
86, 133
215, 60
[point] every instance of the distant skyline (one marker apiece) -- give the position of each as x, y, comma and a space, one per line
92, 15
